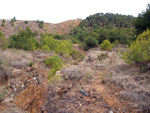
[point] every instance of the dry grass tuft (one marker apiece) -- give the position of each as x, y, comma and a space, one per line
12, 58
136, 85
18, 58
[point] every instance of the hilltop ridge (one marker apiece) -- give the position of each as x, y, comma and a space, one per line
59, 28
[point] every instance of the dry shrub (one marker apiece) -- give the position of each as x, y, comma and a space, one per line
5, 68
136, 85
102, 56
10, 59
72, 72
18, 58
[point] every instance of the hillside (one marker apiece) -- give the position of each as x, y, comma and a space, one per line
99, 27
60, 28
99, 65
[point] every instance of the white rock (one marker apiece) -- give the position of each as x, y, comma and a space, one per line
58, 72
22, 86
12, 95
111, 112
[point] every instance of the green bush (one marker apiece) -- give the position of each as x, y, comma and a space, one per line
55, 62
41, 24
45, 48
26, 22
51, 43
106, 45
3, 42
139, 51
57, 37
116, 42
3, 23
90, 42
23, 40
31, 64
65, 48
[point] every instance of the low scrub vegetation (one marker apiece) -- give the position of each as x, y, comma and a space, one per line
103, 56
5, 67
3, 92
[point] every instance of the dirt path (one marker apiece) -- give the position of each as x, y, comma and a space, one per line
101, 98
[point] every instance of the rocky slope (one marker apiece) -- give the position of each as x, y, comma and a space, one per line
101, 83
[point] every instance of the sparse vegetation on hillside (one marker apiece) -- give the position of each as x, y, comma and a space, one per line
13, 20
39, 54
41, 23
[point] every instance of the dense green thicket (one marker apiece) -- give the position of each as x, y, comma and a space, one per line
104, 26
139, 51
23, 40
3, 41
62, 47
143, 21
107, 20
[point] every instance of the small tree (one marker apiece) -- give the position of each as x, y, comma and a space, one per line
55, 62
106, 45
90, 42
26, 22
41, 24
3, 42
3, 23
65, 48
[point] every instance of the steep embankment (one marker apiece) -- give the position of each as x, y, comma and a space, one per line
60, 28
